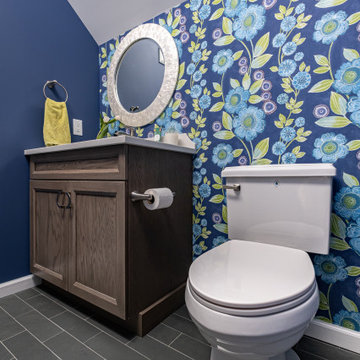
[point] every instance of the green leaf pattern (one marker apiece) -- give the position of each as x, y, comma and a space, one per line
284, 90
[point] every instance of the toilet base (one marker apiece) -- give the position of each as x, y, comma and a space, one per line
222, 355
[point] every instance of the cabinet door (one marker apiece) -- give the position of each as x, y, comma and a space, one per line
49, 237
97, 256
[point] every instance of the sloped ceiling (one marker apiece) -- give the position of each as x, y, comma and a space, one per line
106, 19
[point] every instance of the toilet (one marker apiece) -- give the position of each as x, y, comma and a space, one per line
254, 296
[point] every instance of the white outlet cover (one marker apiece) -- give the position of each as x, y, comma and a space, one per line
77, 127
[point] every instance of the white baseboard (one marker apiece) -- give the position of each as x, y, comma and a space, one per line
16, 285
334, 335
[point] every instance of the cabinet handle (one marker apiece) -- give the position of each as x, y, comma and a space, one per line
57, 200
68, 206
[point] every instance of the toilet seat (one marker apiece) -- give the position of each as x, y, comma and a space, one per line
253, 312
251, 279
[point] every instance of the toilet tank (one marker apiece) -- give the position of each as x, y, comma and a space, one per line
287, 205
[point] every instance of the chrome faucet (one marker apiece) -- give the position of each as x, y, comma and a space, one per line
134, 108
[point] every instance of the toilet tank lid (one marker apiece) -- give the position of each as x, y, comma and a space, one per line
286, 170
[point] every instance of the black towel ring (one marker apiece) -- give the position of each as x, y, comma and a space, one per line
51, 84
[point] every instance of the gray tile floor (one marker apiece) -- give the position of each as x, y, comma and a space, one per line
35, 325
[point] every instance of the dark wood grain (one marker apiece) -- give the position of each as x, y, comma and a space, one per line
49, 232
159, 242
104, 163
108, 250
152, 315
97, 272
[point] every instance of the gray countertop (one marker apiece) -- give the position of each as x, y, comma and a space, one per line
186, 145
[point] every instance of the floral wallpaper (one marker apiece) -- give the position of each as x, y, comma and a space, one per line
268, 82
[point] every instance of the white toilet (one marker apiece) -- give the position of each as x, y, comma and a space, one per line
253, 298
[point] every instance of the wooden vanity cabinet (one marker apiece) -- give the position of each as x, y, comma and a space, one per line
81, 248
104, 248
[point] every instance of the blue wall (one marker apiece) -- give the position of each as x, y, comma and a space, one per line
270, 81
40, 40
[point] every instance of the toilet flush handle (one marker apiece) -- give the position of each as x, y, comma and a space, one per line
235, 187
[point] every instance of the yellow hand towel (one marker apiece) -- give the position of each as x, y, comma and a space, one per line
56, 123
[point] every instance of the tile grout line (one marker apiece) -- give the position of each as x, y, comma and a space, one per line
175, 338
105, 332
125, 344
183, 317
94, 336
34, 288
195, 339
172, 348
54, 316
69, 309
49, 298
63, 330
59, 333
203, 342
10, 352
113, 337
129, 341
170, 327
21, 314
84, 343
31, 334
51, 337
10, 337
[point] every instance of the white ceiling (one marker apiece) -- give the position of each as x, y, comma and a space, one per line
106, 19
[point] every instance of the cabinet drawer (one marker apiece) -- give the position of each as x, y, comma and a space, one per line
91, 164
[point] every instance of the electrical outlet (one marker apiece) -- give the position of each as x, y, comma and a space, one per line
77, 127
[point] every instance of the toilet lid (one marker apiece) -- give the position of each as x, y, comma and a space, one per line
244, 274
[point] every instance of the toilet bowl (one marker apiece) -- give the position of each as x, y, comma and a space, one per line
254, 298
240, 318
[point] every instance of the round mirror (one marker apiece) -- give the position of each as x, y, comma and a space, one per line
140, 75
143, 75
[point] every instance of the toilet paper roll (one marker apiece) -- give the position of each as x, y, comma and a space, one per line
163, 198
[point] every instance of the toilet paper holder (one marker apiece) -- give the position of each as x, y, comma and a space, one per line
135, 196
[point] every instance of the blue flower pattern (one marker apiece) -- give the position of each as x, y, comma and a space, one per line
250, 74
222, 155
236, 99
347, 202
222, 61
249, 123
348, 78
330, 268
249, 22
330, 147
234, 7
348, 319
330, 27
